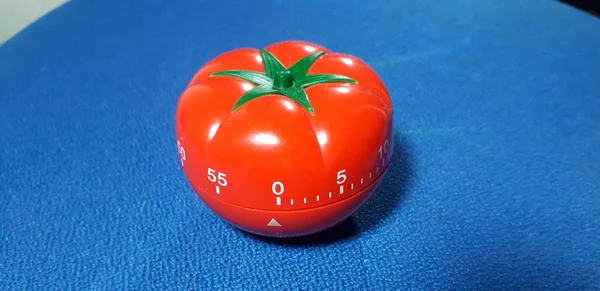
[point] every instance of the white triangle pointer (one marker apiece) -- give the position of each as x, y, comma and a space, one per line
273, 222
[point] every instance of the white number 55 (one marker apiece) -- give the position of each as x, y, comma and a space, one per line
219, 177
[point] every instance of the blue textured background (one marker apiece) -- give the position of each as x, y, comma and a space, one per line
495, 183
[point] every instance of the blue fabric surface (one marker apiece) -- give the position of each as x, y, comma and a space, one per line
495, 182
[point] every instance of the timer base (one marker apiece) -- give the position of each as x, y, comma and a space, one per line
291, 223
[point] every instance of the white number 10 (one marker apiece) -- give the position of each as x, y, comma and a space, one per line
383, 149
219, 177
181, 152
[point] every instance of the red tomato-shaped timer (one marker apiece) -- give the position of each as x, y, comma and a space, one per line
285, 141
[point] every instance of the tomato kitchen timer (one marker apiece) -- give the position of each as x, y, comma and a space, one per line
285, 141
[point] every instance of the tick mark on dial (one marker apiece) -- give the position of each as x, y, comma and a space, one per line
377, 169
278, 200
304, 200
329, 194
342, 189
370, 176
362, 181
317, 197
351, 186
218, 190
292, 201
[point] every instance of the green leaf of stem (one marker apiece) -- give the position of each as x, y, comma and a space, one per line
299, 95
323, 78
300, 68
254, 93
257, 78
271, 63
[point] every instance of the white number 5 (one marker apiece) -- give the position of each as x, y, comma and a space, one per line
213, 176
341, 177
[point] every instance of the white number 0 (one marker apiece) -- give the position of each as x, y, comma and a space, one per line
341, 177
275, 186
219, 177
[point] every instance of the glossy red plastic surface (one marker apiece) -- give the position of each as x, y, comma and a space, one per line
271, 159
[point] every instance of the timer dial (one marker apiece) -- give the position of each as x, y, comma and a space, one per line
287, 140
